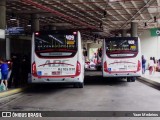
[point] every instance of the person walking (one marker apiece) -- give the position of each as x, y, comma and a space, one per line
4, 71
143, 64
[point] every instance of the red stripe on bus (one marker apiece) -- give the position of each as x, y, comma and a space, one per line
55, 63
121, 62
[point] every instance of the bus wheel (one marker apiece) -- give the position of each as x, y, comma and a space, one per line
81, 85
75, 85
133, 79
128, 79
78, 85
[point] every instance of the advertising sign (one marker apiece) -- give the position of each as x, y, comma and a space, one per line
15, 31
155, 31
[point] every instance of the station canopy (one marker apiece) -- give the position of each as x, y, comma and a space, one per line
103, 17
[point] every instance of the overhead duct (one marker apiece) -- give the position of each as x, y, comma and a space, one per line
37, 5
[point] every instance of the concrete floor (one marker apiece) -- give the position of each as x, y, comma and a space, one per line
97, 95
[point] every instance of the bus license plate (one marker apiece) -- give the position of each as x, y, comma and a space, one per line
122, 69
56, 73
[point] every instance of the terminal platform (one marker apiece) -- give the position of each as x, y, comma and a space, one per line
153, 79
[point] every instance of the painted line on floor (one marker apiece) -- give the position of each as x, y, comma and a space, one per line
11, 92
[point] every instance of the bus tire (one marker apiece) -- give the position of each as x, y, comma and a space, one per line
78, 85
81, 85
75, 85
128, 79
133, 79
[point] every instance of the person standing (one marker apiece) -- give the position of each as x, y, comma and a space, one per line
15, 72
155, 65
158, 65
151, 66
4, 71
143, 64
24, 71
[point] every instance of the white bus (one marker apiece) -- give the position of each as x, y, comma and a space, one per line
121, 57
57, 58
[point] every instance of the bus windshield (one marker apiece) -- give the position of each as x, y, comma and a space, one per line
121, 46
55, 44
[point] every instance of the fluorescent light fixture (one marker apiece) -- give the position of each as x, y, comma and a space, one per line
29, 23
13, 17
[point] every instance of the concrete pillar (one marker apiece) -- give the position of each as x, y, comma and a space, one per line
134, 29
2, 14
35, 22
3, 26
8, 54
124, 33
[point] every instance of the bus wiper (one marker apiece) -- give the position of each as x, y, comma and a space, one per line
41, 40
51, 36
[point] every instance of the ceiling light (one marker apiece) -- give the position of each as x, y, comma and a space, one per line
29, 23
13, 17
